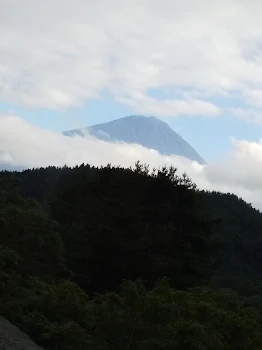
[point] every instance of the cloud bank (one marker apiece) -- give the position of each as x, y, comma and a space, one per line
23, 145
60, 53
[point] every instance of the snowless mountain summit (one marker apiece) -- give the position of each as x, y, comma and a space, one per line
149, 132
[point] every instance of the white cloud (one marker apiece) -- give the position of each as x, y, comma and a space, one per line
170, 108
249, 115
24, 145
59, 53
253, 97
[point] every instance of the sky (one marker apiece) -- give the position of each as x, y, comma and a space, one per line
196, 64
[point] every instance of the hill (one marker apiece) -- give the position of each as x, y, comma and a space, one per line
149, 132
239, 229
113, 258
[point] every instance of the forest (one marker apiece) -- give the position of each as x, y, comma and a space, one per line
127, 259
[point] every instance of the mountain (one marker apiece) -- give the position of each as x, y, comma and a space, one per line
149, 132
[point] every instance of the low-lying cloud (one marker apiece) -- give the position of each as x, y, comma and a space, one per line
23, 145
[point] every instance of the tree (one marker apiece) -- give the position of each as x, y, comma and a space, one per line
128, 224
169, 319
32, 236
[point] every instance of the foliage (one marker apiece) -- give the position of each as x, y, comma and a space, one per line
157, 250
125, 224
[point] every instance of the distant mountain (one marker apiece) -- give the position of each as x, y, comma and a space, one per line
149, 132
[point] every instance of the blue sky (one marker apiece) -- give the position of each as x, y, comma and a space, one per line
196, 64
211, 137
93, 63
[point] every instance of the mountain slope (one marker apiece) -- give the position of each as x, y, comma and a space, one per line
149, 132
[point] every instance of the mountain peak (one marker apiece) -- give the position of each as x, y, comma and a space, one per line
149, 132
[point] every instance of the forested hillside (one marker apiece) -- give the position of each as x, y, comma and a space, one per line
113, 258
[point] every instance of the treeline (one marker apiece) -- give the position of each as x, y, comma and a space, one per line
113, 258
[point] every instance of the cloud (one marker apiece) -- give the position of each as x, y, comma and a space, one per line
170, 108
254, 97
23, 145
60, 53
249, 115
